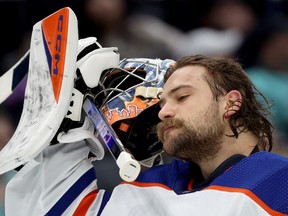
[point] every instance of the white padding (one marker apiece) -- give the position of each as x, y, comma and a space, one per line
75, 107
86, 132
148, 92
93, 64
83, 43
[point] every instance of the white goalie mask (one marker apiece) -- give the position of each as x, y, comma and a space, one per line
128, 97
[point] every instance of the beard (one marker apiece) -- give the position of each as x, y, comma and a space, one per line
199, 138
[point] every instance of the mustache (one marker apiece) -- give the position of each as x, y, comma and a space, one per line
166, 123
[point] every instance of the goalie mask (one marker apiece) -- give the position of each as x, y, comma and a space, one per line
128, 99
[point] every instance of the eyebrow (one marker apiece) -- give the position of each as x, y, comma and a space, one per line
171, 92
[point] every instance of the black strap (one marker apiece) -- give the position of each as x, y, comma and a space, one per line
256, 149
87, 50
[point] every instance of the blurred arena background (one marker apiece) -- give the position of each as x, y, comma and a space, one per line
254, 32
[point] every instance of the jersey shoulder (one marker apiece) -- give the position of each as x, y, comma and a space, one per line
263, 176
175, 175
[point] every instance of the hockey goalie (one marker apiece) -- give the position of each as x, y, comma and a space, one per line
81, 99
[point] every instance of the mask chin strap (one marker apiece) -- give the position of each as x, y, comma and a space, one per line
152, 161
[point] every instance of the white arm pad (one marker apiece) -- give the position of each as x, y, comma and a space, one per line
85, 42
86, 132
94, 63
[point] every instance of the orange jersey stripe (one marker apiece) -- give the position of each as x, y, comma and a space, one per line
141, 184
250, 194
85, 204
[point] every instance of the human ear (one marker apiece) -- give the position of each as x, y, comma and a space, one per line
233, 101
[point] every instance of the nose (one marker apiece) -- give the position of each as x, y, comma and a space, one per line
166, 111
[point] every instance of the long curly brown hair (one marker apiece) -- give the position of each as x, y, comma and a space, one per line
226, 74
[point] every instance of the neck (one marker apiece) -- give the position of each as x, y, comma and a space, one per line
244, 144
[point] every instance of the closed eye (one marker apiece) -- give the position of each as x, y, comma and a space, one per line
182, 98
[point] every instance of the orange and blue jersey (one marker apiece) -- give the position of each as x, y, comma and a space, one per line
253, 185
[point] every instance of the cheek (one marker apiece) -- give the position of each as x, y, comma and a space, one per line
188, 116
192, 112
